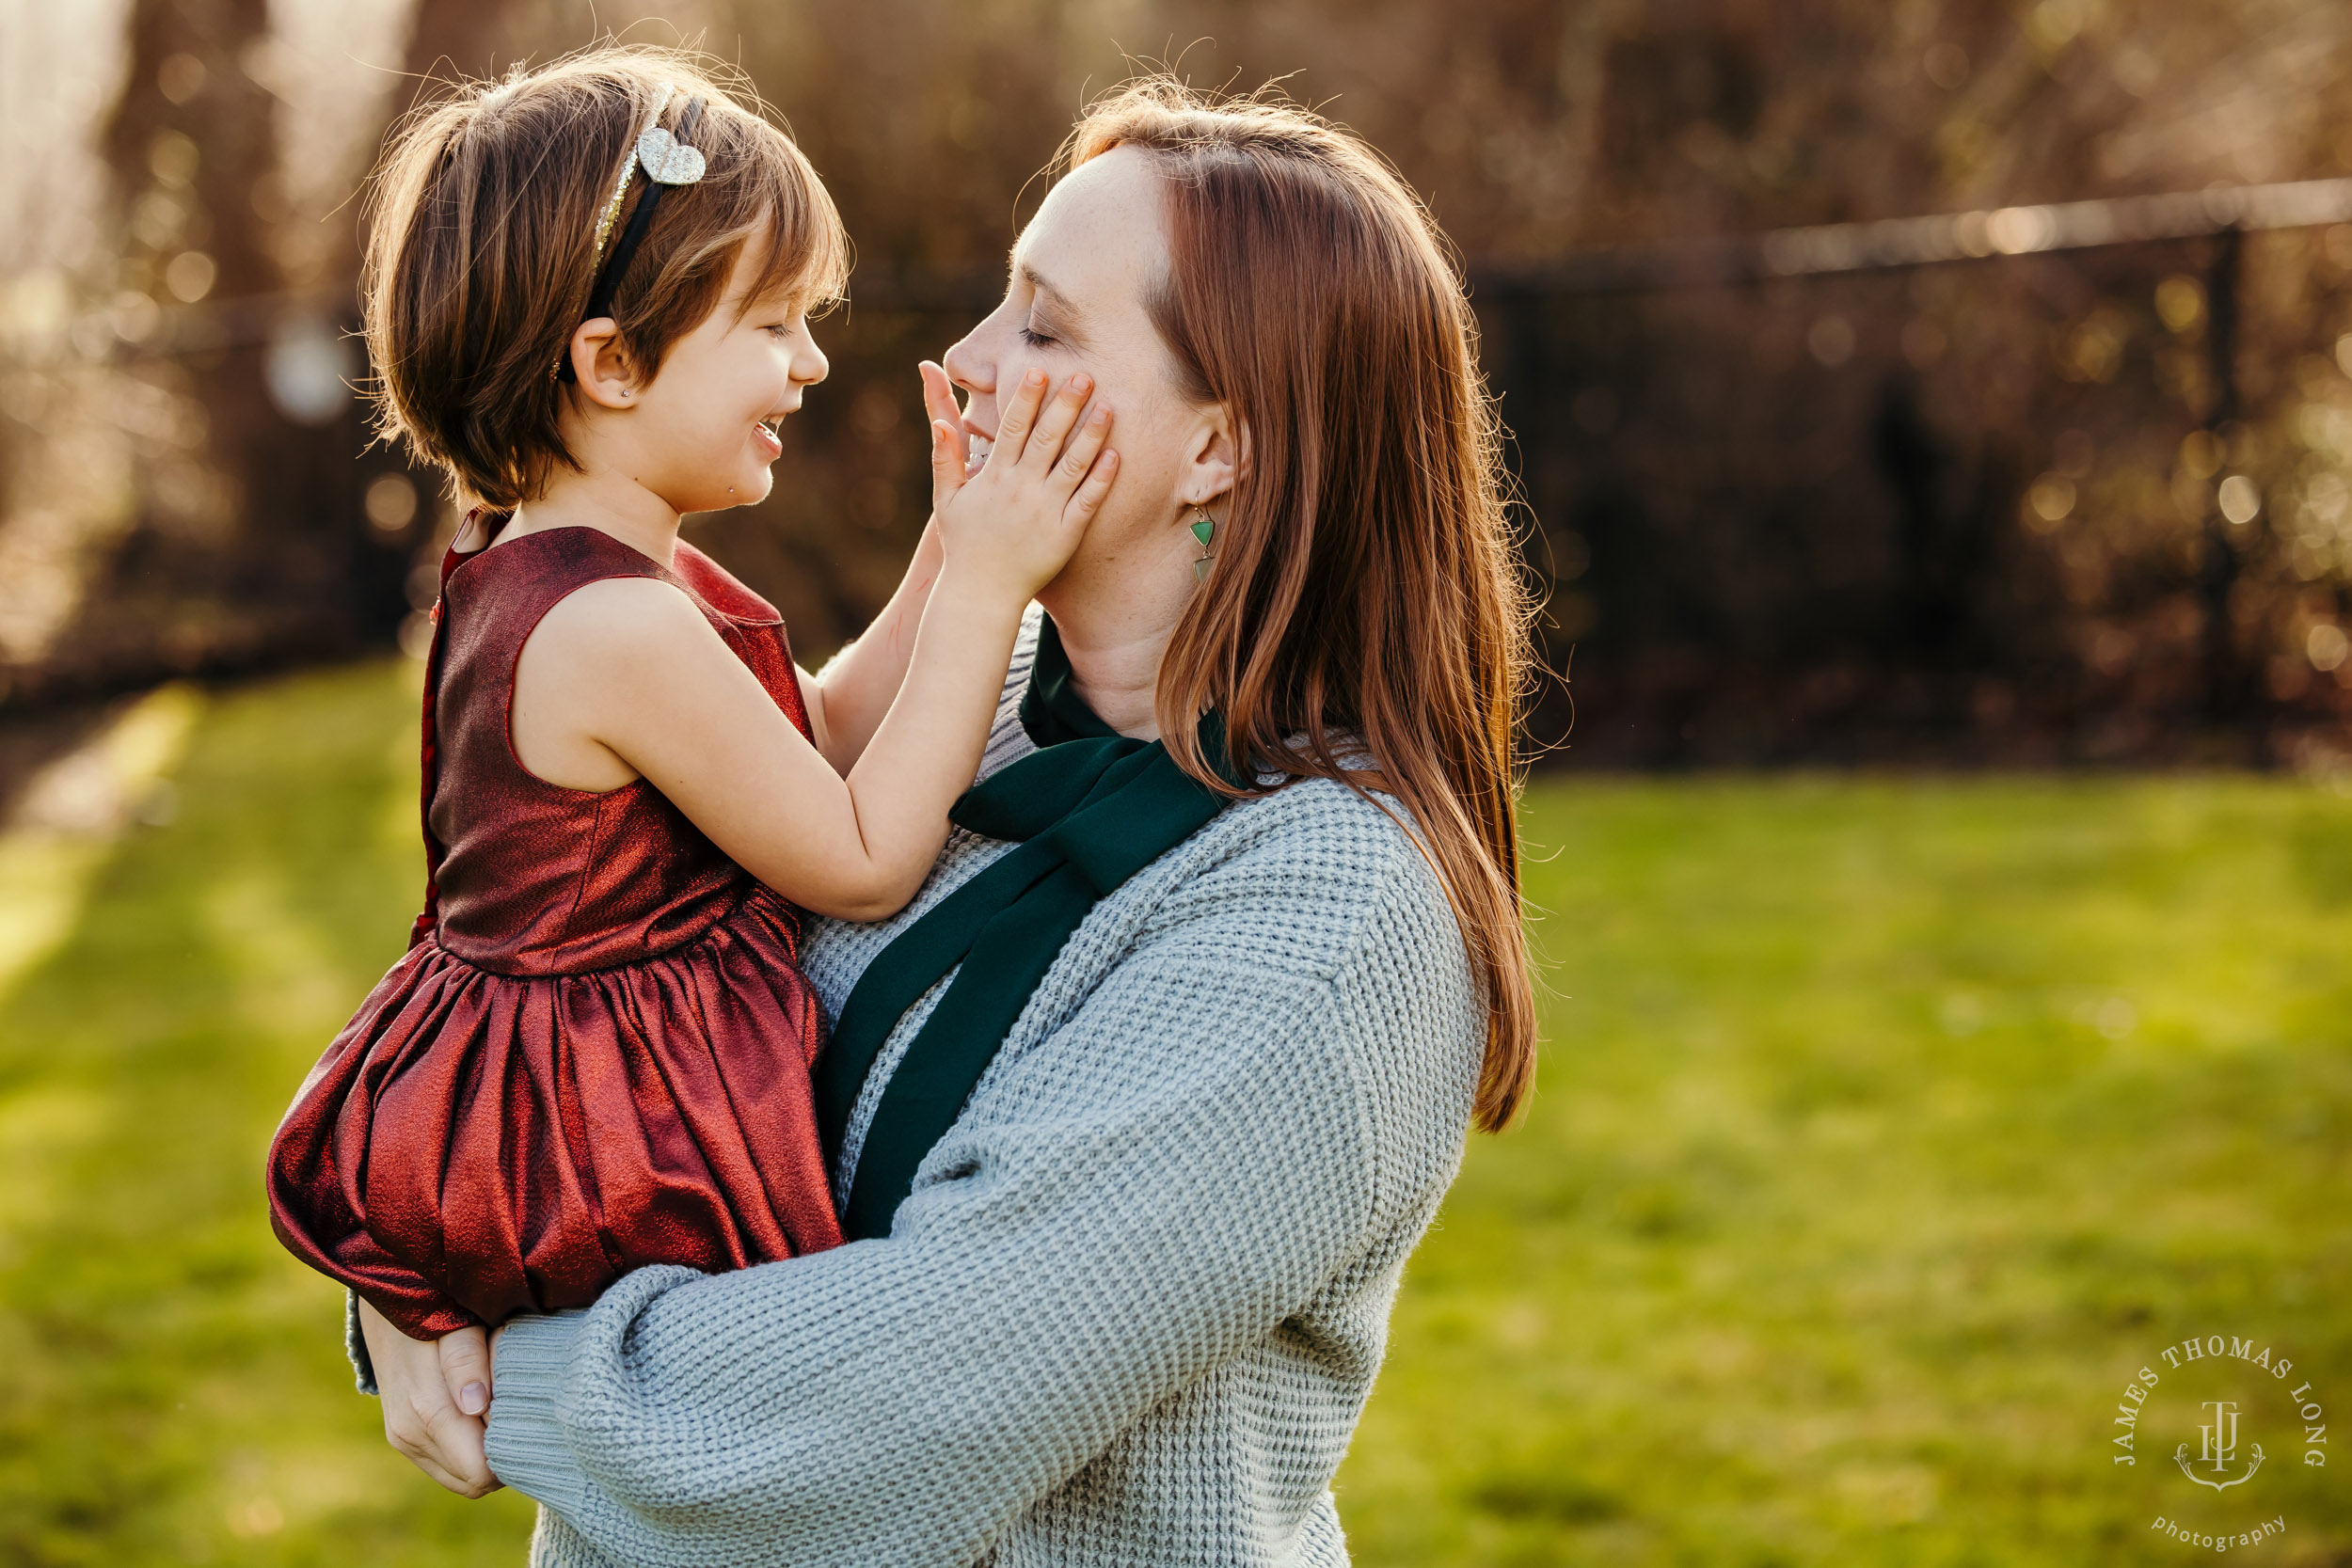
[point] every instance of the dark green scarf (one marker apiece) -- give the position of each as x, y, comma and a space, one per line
1089, 808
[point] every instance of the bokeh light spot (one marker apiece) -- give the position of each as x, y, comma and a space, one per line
2201, 454
392, 503
179, 78
173, 159
2327, 646
189, 276
305, 369
2181, 302
2241, 503
2048, 502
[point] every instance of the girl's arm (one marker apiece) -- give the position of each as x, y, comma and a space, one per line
629, 670
848, 698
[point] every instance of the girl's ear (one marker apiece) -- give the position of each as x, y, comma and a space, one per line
607, 374
1215, 457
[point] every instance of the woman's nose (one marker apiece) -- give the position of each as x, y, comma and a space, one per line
962, 363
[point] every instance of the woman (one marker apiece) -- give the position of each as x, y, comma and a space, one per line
1135, 1185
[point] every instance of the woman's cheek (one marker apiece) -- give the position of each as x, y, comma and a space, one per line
1011, 371
1054, 366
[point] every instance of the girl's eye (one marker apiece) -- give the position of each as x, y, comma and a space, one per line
1035, 339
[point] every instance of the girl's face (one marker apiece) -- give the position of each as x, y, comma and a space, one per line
701, 436
1082, 273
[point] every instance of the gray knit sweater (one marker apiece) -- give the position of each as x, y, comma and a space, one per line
1132, 1311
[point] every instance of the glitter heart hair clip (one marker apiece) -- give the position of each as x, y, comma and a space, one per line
667, 160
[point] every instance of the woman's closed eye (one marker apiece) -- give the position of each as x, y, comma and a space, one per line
1035, 339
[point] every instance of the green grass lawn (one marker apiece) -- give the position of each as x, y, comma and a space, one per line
1886, 1129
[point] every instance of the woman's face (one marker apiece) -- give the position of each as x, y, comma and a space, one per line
1081, 274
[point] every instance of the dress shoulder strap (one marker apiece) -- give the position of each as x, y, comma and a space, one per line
491, 601
749, 625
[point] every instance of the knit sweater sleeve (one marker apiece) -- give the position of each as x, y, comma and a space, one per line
1144, 1191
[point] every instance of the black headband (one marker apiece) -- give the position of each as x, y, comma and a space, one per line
667, 160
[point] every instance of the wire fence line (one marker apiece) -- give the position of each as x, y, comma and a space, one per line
1913, 241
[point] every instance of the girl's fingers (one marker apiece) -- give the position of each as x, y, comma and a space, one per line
939, 393
1053, 426
939, 398
1013, 431
1087, 499
1078, 457
947, 466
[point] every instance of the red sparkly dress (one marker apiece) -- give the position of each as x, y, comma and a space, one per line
596, 1054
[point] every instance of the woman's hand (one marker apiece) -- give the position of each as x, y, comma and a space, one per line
1016, 521
436, 1394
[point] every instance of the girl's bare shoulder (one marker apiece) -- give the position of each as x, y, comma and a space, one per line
626, 620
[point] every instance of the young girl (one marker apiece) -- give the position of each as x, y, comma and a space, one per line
587, 303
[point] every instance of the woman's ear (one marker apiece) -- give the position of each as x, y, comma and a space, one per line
607, 375
1217, 456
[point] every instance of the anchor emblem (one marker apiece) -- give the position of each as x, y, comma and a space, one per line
2221, 1446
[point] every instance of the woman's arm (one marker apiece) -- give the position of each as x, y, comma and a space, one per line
1139, 1195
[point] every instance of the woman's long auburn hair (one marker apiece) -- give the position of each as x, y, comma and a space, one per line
1365, 593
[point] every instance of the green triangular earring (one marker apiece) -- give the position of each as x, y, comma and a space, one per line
1204, 530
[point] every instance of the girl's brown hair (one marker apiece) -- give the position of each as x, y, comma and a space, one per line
1365, 587
483, 225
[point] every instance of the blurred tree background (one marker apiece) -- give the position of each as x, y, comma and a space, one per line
2082, 505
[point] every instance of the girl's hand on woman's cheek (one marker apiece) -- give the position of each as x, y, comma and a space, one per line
1014, 524
939, 402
